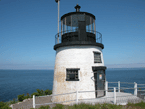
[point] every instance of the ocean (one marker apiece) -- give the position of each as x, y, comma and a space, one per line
16, 82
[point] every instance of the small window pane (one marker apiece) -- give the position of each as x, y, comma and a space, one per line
97, 58
72, 74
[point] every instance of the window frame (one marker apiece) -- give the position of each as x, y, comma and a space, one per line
76, 70
99, 57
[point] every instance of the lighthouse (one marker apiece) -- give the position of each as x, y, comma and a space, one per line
79, 64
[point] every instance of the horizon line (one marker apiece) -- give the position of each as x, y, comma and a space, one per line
53, 69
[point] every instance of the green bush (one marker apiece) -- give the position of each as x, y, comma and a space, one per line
27, 96
35, 93
40, 92
48, 92
21, 97
13, 101
4, 106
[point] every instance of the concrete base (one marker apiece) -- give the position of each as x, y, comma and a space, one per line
121, 99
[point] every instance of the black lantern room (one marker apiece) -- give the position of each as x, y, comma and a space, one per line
78, 28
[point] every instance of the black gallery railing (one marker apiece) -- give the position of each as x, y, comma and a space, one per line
58, 36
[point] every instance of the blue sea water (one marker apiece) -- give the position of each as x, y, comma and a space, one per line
16, 82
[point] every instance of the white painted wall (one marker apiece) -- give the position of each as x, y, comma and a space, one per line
75, 57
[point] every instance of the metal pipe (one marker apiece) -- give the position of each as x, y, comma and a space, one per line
94, 27
106, 87
114, 95
33, 101
118, 86
65, 24
58, 22
135, 88
71, 23
61, 27
90, 24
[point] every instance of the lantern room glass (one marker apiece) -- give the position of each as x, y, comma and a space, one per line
70, 23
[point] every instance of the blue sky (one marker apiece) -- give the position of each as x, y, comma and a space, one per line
28, 29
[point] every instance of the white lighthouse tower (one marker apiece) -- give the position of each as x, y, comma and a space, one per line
79, 64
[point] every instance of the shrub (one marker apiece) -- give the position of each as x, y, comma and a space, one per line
27, 96
35, 93
4, 106
48, 92
13, 101
40, 92
21, 97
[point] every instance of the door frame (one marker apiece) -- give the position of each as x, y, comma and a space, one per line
95, 69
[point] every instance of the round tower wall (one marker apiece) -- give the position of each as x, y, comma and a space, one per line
82, 58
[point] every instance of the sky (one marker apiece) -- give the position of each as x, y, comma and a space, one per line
28, 29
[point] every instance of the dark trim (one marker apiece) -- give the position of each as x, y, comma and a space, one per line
71, 13
94, 68
67, 69
72, 68
72, 79
78, 43
96, 52
98, 62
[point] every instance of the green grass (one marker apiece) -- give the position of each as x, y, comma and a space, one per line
140, 105
89, 106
